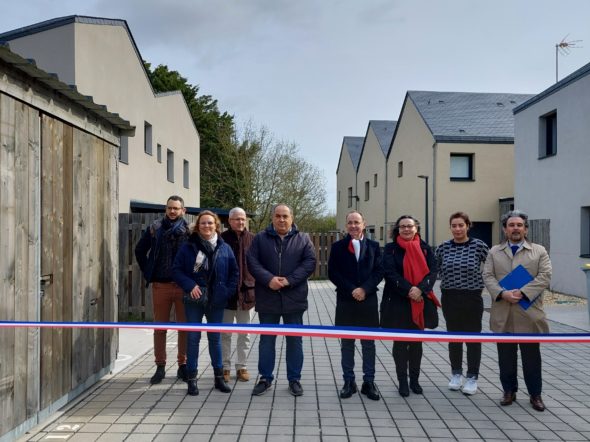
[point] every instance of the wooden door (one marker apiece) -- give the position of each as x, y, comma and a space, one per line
56, 258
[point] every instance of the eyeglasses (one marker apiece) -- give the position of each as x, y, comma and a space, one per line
407, 227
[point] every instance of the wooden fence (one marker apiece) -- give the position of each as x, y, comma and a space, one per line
135, 299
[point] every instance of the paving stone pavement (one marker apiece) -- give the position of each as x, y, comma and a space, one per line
125, 407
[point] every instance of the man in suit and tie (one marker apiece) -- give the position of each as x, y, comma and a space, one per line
355, 268
510, 316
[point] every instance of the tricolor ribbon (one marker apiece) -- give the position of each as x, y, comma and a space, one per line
319, 331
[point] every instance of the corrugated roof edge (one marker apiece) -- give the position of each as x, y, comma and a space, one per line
69, 92
572, 78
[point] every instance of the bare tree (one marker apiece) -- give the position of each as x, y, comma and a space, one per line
280, 174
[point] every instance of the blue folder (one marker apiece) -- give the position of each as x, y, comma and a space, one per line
515, 280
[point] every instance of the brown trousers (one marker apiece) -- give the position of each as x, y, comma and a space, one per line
166, 295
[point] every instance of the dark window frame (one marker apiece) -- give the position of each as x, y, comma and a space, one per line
471, 158
548, 135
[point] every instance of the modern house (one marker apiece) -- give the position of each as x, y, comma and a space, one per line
99, 56
372, 178
452, 151
552, 179
346, 178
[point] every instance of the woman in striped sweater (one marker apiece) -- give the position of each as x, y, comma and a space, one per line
460, 263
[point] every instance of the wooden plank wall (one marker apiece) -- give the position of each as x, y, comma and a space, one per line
19, 241
135, 300
539, 232
56, 257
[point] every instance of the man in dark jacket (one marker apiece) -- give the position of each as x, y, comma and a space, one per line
281, 259
239, 307
355, 268
155, 253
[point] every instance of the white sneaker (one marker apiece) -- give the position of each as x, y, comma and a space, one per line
455, 382
470, 386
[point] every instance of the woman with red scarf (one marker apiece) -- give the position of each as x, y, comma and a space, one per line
410, 273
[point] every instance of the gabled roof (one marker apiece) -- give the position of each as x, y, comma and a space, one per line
572, 78
63, 21
383, 130
468, 117
354, 147
30, 69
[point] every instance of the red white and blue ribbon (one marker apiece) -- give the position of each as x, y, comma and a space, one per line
317, 331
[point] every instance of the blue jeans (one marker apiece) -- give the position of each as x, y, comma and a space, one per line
194, 314
347, 349
266, 348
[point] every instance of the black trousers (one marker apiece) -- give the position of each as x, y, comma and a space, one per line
463, 312
407, 356
531, 366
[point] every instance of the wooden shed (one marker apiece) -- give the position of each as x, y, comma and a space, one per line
58, 240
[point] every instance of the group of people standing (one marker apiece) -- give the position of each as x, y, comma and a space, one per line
203, 272
465, 266
221, 276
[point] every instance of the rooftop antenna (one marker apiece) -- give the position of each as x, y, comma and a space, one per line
564, 48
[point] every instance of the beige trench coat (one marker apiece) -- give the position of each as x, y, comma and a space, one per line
512, 318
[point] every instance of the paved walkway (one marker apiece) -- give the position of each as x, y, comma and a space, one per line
125, 407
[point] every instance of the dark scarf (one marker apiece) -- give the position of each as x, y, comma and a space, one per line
415, 269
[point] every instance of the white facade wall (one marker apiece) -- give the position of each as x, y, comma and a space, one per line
345, 178
107, 67
372, 163
557, 187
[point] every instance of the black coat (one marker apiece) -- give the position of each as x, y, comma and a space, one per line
396, 310
347, 274
292, 257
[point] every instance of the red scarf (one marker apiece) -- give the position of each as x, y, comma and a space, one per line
415, 269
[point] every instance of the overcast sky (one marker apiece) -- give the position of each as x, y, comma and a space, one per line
314, 71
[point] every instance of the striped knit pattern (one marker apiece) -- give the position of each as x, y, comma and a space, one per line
460, 264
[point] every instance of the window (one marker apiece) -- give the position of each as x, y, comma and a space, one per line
381, 233
159, 153
461, 167
366, 191
124, 150
375, 180
170, 165
585, 233
400, 169
350, 197
338, 196
185, 174
548, 135
147, 138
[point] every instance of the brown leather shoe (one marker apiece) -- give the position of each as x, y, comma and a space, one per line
242, 375
537, 403
226, 375
508, 398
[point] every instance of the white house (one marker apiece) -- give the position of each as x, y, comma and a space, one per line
99, 56
346, 181
552, 179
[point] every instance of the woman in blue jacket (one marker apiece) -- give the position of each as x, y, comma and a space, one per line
206, 269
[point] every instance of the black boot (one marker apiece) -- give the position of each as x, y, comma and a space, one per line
159, 375
404, 390
220, 383
415, 386
193, 390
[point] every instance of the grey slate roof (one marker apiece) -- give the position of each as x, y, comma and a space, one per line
354, 147
29, 68
573, 77
467, 117
383, 130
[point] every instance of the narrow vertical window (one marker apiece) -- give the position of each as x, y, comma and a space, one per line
170, 165
147, 138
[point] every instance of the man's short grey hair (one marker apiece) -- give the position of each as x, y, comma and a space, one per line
282, 204
515, 214
236, 211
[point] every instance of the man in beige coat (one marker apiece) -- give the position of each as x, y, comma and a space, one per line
508, 316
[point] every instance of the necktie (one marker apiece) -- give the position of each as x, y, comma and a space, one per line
514, 249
